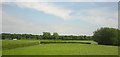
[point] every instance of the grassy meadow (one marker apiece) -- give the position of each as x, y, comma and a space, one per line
34, 47
11, 44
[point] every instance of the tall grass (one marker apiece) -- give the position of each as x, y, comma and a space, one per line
11, 44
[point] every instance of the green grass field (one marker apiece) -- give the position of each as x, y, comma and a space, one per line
59, 49
10, 44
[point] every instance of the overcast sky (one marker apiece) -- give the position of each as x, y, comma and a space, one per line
70, 18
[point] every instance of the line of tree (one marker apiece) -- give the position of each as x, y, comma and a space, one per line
45, 36
9, 36
104, 36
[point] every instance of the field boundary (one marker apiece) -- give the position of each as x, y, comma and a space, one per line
51, 42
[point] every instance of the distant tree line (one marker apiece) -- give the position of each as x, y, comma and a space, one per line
104, 36
9, 36
45, 36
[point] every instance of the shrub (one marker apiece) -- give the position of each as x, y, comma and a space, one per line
106, 36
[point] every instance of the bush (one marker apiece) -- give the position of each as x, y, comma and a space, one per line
106, 36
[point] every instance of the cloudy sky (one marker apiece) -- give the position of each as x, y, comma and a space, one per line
70, 18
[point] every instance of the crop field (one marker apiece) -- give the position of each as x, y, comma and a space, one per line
34, 47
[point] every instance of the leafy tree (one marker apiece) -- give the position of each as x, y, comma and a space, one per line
46, 35
55, 36
106, 36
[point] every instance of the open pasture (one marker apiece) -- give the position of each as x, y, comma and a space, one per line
57, 49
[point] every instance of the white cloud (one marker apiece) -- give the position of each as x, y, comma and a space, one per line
45, 7
94, 0
0, 21
99, 17
14, 24
60, 0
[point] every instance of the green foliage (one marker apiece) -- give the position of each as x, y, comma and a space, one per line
68, 41
106, 36
71, 37
9, 36
55, 36
46, 35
